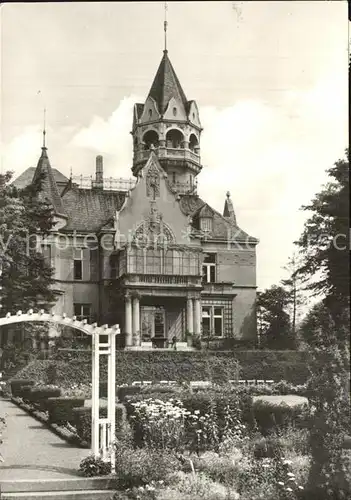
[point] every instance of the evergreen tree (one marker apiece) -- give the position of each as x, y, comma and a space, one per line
273, 320
26, 278
324, 243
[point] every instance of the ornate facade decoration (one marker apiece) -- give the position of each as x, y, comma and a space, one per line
153, 182
153, 230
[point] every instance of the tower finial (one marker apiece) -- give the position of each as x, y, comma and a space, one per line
165, 26
44, 128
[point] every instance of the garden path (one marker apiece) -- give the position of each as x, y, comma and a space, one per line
31, 451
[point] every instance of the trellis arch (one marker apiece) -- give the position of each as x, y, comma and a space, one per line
103, 429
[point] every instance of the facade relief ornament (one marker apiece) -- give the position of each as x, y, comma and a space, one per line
153, 182
153, 230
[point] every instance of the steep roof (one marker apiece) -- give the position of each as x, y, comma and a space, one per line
89, 209
26, 178
166, 85
222, 227
49, 189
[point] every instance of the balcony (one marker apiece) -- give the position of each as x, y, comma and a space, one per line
219, 288
162, 280
168, 153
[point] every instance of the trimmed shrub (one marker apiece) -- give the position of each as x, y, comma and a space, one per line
61, 409
270, 415
40, 396
128, 390
82, 420
92, 466
17, 384
25, 393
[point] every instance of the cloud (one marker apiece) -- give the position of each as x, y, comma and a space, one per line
111, 138
22, 151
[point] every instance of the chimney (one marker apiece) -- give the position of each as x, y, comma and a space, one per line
99, 173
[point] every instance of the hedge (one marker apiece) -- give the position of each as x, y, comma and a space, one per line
82, 420
181, 366
40, 396
60, 409
17, 384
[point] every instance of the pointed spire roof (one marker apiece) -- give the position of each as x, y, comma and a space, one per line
49, 189
166, 85
228, 211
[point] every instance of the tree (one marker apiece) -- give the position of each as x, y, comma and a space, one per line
324, 245
293, 286
26, 277
273, 320
325, 270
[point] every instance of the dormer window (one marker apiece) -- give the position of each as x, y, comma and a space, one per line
206, 224
150, 113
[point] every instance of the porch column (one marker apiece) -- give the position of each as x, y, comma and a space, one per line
190, 316
128, 320
197, 316
136, 322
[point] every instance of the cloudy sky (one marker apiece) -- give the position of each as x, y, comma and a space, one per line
270, 80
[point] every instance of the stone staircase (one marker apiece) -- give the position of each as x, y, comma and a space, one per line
99, 488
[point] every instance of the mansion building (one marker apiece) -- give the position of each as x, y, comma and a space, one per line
148, 253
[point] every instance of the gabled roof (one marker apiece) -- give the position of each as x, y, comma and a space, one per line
49, 190
166, 85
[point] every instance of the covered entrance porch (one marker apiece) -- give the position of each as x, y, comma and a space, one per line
159, 321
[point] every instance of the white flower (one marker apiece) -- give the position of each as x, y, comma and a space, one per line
288, 489
290, 474
280, 483
287, 462
300, 487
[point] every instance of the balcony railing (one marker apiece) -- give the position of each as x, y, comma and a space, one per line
109, 183
184, 187
168, 280
176, 153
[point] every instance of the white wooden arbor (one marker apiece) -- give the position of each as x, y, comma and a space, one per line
103, 429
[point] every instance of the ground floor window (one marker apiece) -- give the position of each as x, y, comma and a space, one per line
82, 311
212, 321
217, 317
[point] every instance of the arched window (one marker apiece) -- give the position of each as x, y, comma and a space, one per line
150, 137
174, 111
150, 113
193, 142
174, 139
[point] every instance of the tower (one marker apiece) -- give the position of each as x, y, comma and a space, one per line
170, 125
